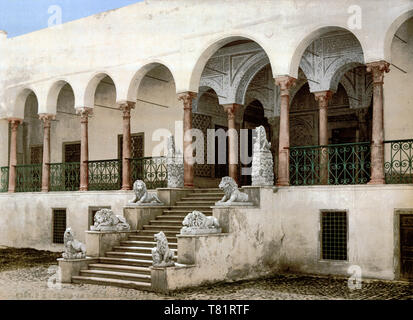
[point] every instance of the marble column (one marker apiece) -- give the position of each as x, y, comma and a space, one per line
377, 147
323, 97
46, 118
285, 83
14, 125
126, 108
84, 147
231, 110
274, 122
187, 98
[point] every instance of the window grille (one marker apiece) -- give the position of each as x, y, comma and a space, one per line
59, 225
334, 235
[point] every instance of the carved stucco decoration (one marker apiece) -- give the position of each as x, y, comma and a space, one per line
303, 130
262, 161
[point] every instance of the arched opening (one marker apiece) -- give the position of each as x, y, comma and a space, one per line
234, 74
156, 102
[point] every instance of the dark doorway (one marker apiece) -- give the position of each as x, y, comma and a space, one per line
72, 152
71, 168
406, 246
221, 170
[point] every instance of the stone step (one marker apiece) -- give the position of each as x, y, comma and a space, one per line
147, 244
168, 233
120, 268
138, 249
185, 212
196, 203
171, 239
191, 208
162, 227
133, 255
200, 198
209, 194
115, 275
112, 282
170, 222
126, 261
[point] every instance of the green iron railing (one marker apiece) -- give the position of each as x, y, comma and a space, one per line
64, 176
399, 167
105, 174
4, 179
152, 170
29, 178
337, 164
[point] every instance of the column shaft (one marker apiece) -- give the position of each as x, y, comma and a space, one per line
285, 83
187, 98
323, 98
84, 147
377, 147
126, 108
231, 110
46, 118
14, 123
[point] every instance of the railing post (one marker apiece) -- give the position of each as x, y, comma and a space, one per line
46, 118
187, 98
14, 123
84, 147
126, 107
377, 148
285, 83
323, 98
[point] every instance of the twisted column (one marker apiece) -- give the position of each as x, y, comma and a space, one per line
323, 98
285, 83
14, 125
84, 147
46, 118
187, 98
377, 147
126, 108
231, 110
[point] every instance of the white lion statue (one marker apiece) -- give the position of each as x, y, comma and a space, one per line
74, 249
142, 195
162, 256
231, 192
106, 220
197, 223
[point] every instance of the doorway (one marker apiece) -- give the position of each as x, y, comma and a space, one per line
406, 246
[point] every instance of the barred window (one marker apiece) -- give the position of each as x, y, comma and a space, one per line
59, 225
334, 235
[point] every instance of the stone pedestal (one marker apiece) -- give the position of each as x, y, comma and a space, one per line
72, 267
138, 216
99, 242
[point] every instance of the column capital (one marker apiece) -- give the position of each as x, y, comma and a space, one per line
46, 118
186, 98
285, 83
323, 97
84, 112
14, 122
231, 109
126, 106
378, 69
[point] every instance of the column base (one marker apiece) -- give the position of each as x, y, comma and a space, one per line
377, 181
189, 186
282, 184
126, 188
83, 189
45, 190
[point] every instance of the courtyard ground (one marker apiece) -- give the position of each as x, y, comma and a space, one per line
31, 274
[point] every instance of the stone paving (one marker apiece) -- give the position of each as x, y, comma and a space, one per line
38, 283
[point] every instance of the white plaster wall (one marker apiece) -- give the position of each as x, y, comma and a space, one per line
26, 218
4, 143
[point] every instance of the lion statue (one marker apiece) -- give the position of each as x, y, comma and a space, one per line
106, 220
162, 256
74, 249
197, 223
142, 195
231, 192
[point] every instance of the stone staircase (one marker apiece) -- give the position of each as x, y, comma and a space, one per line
127, 265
